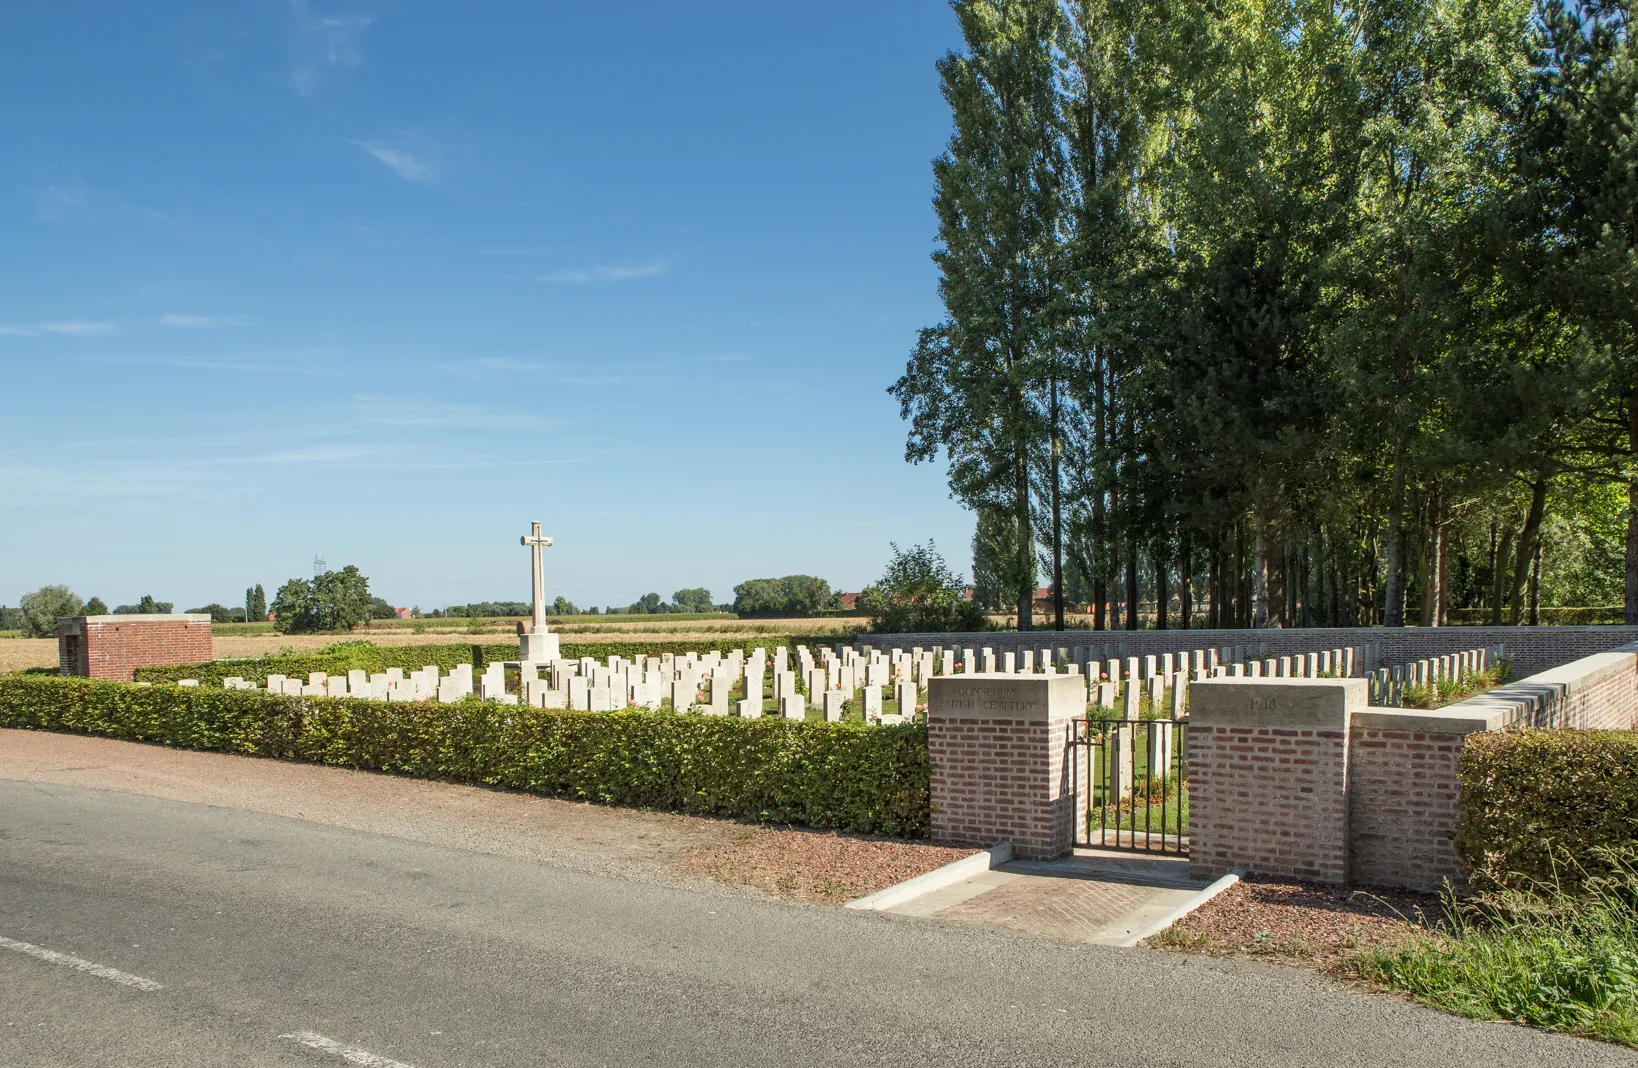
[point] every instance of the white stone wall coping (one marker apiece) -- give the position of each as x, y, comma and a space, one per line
937, 879
149, 617
1512, 705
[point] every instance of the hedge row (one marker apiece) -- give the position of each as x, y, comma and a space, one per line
832, 775
364, 656
1536, 803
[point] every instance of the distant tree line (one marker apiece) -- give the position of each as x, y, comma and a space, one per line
1294, 313
793, 595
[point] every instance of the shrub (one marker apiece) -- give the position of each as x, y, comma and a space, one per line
919, 593
1539, 806
832, 775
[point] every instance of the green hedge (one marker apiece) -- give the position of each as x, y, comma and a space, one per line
1566, 616
833, 775
364, 656
1534, 804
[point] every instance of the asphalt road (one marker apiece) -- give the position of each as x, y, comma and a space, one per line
277, 941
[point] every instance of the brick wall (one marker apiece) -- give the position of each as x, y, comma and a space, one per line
1403, 808
1002, 780
1003, 767
1273, 800
112, 647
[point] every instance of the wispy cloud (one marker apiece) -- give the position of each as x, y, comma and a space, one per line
402, 162
417, 412
307, 363
324, 42
607, 273
68, 327
318, 454
32, 484
508, 365
194, 322
74, 199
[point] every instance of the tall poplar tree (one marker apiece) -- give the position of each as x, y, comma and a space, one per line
972, 384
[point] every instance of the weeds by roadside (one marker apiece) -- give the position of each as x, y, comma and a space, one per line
1545, 958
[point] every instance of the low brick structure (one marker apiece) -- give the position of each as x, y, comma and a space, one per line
1268, 776
1001, 749
112, 647
1359, 795
1402, 803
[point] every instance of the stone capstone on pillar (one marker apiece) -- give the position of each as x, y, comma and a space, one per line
1001, 747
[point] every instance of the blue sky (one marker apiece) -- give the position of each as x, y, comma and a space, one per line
386, 281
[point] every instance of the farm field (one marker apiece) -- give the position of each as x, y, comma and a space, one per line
233, 640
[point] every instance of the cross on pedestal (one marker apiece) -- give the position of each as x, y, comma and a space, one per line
537, 646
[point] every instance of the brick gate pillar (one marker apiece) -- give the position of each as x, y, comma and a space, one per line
1268, 776
1001, 747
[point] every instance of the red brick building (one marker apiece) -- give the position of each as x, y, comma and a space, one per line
111, 647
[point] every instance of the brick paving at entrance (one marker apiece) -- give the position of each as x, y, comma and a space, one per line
1100, 896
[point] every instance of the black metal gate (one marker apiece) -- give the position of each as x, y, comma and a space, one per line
1132, 778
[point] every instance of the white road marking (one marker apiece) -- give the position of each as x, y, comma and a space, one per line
101, 971
346, 1053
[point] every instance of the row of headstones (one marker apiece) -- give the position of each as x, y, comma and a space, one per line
649, 682
1388, 684
390, 685
1167, 687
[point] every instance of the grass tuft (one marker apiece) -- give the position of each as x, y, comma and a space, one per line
1548, 959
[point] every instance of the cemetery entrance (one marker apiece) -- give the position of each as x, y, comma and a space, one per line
1132, 777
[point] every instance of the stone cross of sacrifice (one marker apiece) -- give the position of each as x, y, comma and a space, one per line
537, 542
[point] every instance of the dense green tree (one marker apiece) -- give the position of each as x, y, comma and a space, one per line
695, 599
42, 608
996, 561
1290, 312
218, 613
793, 595
919, 593
96, 606
255, 603
331, 601
146, 606
564, 607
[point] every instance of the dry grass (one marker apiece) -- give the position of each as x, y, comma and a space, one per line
19, 653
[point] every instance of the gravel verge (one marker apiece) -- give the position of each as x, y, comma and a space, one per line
1319, 927
815, 865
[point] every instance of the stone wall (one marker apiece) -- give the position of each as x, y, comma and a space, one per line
112, 647
1533, 649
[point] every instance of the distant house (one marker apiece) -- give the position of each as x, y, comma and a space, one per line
850, 602
401, 613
